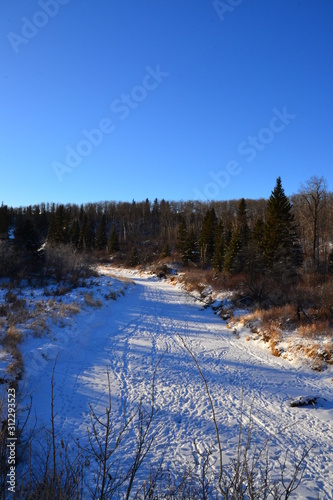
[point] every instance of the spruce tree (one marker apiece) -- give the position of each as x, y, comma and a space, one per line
236, 256
256, 279
87, 234
219, 253
207, 237
191, 252
26, 244
59, 226
182, 241
258, 233
4, 222
113, 242
25, 236
166, 251
101, 236
134, 258
75, 234
280, 240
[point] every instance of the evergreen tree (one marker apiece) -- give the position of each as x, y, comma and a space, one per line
26, 244
113, 242
241, 220
101, 236
191, 252
87, 234
280, 240
166, 251
25, 236
219, 253
207, 237
255, 268
4, 222
134, 258
182, 241
236, 256
41, 222
59, 227
258, 233
75, 234
155, 218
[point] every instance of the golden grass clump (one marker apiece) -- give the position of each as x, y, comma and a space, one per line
12, 338
315, 329
90, 301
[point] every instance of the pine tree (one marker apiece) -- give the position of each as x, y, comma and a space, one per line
26, 244
4, 222
255, 268
258, 233
134, 258
113, 242
87, 234
280, 240
207, 237
191, 252
25, 236
182, 241
155, 218
236, 256
101, 236
59, 226
75, 234
166, 251
219, 253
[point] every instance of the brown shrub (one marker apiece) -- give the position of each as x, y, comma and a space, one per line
90, 301
275, 338
12, 338
315, 329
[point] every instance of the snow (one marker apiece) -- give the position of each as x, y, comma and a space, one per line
131, 334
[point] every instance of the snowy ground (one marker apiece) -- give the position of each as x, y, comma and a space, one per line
131, 334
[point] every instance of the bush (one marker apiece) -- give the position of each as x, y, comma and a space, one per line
64, 263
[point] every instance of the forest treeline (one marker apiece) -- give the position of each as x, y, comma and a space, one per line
280, 236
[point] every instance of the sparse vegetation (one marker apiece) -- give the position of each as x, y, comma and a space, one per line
90, 301
64, 470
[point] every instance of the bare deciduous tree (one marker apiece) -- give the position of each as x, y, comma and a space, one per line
313, 198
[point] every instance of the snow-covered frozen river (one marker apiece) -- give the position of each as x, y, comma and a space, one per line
132, 334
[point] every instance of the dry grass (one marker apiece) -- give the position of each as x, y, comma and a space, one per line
90, 301
69, 309
275, 339
12, 338
320, 353
316, 329
39, 326
281, 316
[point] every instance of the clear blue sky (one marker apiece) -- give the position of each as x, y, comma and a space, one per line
188, 96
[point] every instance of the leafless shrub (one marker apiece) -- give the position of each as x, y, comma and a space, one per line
64, 263
60, 475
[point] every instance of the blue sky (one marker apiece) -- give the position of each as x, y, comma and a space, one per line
174, 99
